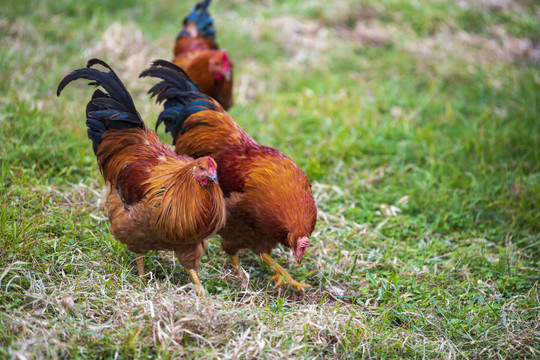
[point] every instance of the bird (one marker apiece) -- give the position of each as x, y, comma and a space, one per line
198, 53
156, 199
268, 197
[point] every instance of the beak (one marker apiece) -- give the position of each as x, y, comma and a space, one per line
298, 256
227, 75
213, 177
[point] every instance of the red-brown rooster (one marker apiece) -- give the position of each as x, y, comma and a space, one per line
269, 198
156, 200
197, 52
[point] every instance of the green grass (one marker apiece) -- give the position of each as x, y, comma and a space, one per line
423, 150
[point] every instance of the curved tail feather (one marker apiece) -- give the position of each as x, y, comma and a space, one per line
113, 109
187, 109
181, 96
176, 82
202, 19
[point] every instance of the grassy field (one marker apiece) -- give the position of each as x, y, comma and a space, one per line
418, 123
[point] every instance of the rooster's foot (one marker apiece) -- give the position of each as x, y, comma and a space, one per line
281, 280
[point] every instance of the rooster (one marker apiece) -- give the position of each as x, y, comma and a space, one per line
156, 200
269, 199
197, 52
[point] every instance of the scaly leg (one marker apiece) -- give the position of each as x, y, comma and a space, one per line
199, 289
140, 264
281, 273
235, 262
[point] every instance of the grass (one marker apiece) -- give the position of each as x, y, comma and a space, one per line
417, 123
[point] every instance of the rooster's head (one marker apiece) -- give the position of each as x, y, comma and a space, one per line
205, 170
221, 66
298, 247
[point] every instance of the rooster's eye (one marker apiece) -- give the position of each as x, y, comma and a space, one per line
201, 168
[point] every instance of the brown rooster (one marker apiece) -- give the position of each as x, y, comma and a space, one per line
269, 198
156, 200
197, 52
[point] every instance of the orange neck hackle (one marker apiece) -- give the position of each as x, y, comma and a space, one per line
177, 195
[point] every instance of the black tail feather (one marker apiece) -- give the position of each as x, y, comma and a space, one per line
181, 95
173, 75
176, 89
113, 109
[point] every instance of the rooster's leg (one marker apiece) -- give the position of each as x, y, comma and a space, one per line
235, 262
281, 276
199, 289
140, 264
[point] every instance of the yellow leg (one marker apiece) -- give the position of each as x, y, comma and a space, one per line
281, 274
199, 289
140, 264
235, 262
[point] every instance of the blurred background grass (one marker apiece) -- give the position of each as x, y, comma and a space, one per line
417, 122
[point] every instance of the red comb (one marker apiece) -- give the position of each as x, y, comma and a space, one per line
225, 58
210, 164
303, 242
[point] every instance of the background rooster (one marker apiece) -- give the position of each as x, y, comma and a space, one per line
197, 52
156, 200
269, 198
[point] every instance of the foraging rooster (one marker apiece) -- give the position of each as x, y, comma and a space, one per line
197, 52
269, 198
156, 200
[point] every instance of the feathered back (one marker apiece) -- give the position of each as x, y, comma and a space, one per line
198, 124
121, 149
111, 110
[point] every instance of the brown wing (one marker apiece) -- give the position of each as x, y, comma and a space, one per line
127, 158
278, 194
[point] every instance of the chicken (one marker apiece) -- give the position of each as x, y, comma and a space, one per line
156, 200
269, 199
197, 52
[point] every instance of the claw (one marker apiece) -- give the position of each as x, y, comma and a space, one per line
298, 286
279, 279
282, 276
199, 288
